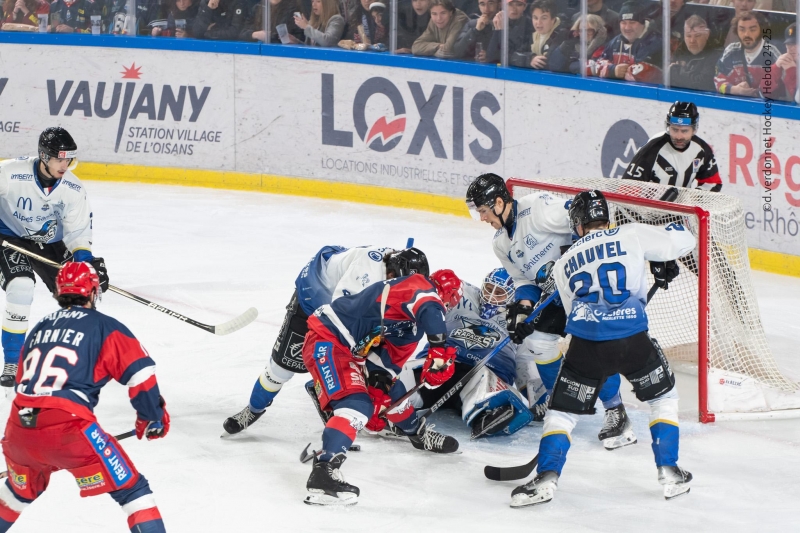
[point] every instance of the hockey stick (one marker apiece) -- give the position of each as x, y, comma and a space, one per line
225, 328
510, 473
121, 436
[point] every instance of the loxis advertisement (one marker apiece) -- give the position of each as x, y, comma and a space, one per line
123, 106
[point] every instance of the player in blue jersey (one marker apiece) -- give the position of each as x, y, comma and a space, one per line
43, 208
489, 403
531, 232
67, 359
602, 281
334, 271
388, 318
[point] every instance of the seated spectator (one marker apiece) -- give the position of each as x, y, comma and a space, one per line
178, 20
376, 29
788, 62
442, 32
694, 63
739, 6
219, 20
609, 16
281, 12
358, 16
326, 25
634, 54
412, 21
547, 36
567, 57
761, 5
72, 16
520, 29
23, 12
473, 41
745, 66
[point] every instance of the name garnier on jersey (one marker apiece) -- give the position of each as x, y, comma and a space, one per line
28, 212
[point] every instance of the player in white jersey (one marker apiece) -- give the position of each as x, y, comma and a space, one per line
334, 271
489, 403
678, 156
531, 232
602, 282
43, 208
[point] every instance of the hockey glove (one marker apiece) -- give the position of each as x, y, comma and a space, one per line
545, 280
153, 429
516, 315
663, 273
99, 265
439, 366
380, 402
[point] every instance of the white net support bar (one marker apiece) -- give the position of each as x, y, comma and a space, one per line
742, 375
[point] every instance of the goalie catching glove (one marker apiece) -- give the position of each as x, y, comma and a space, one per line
439, 366
664, 273
151, 429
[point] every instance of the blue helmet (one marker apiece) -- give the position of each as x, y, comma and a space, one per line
497, 291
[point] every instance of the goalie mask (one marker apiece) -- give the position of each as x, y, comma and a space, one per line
497, 290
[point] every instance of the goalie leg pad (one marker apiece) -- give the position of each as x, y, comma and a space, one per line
574, 393
484, 392
288, 349
655, 378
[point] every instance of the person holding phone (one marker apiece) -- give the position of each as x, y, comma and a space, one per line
326, 25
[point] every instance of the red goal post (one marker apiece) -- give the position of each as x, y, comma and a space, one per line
709, 316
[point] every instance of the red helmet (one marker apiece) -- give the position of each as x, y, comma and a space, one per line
448, 286
77, 278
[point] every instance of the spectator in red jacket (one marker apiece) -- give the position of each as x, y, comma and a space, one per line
23, 12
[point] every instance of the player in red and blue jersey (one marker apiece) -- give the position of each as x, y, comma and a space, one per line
66, 360
387, 319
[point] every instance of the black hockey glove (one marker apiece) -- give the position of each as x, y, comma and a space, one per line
545, 280
99, 265
663, 273
515, 318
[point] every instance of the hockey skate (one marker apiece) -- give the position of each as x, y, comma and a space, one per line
240, 421
539, 410
617, 431
491, 421
326, 484
537, 491
433, 441
9, 375
675, 480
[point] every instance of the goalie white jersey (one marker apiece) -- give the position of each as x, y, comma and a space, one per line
541, 227
602, 278
336, 271
28, 212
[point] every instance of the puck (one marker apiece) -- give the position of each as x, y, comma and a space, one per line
354, 448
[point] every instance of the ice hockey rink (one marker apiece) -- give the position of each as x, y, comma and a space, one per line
211, 254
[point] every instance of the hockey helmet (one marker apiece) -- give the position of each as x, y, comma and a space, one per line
497, 290
588, 207
407, 262
448, 285
77, 278
683, 114
57, 142
484, 191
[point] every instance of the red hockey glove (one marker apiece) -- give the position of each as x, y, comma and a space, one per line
380, 402
439, 366
153, 429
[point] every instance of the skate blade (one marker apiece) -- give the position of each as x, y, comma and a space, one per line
320, 498
613, 443
542, 495
9, 392
675, 490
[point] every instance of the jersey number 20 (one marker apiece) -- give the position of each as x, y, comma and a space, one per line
613, 295
31, 365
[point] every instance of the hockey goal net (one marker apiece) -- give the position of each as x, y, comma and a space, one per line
708, 320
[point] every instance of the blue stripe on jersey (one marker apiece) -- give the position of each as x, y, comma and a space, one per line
117, 466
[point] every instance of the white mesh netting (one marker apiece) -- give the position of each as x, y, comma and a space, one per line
736, 340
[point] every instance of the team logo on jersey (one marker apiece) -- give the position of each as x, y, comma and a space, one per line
45, 234
375, 255
520, 254
323, 358
582, 311
696, 165
46, 207
91, 482
475, 334
20, 481
530, 241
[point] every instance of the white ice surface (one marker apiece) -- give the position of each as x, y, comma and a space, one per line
212, 254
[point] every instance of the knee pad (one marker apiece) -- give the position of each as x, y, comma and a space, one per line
19, 296
20, 291
356, 408
274, 376
664, 408
574, 393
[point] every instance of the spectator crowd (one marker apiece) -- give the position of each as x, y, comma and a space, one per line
737, 47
